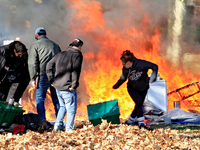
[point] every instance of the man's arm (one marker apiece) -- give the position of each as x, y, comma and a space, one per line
33, 63
76, 71
50, 69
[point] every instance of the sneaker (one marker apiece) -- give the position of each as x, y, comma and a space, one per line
74, 127
134, 123
56, 131
59, 129
62, 128
143, 125
49, 127
126, 122
17, 105
42, 127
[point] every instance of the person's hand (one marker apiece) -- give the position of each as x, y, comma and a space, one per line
70, 89
114, 87
33, 84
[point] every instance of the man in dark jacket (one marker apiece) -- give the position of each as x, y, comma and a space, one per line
13, 69
66, 79
40, 53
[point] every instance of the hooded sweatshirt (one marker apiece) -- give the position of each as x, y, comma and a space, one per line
137, 75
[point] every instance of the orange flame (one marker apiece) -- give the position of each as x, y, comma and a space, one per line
106, 38
103, 64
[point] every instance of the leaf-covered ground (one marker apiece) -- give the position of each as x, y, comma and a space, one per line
105, 137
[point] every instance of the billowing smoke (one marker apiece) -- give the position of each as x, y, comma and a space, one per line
20, 18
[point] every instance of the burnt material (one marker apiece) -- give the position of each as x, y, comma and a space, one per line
185, 96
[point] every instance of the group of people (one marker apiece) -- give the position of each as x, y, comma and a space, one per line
45, 66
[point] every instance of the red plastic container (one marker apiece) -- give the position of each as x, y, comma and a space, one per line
18, 128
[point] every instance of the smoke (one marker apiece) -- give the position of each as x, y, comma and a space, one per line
20, 18
175, 30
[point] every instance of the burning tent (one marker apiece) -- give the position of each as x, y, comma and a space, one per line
176, 115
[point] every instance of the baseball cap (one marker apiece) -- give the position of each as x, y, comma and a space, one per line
40, 30
76, 42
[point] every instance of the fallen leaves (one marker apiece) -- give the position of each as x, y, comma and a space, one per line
104, 137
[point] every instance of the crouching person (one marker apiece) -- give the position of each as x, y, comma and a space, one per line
13, 69
135, 70
67, 65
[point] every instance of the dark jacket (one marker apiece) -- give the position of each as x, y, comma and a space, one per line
39, 54
68, 68
137, 75
12, 70
17, 66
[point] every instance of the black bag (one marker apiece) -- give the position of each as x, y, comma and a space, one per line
31, 121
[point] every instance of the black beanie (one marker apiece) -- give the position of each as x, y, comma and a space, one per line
76, 42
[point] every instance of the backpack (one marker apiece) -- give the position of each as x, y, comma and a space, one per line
31, 121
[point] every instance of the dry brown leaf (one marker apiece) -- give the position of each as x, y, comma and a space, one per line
105, 136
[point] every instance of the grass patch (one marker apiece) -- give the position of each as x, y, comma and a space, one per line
181, 127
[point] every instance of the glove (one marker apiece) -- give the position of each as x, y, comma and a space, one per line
115, 86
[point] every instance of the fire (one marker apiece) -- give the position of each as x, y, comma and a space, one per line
29, 104
102, 74
107, 35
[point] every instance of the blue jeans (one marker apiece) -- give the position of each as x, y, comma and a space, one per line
41, 92
68, 104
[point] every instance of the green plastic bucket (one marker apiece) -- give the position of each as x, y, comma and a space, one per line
8, 113
107, 111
